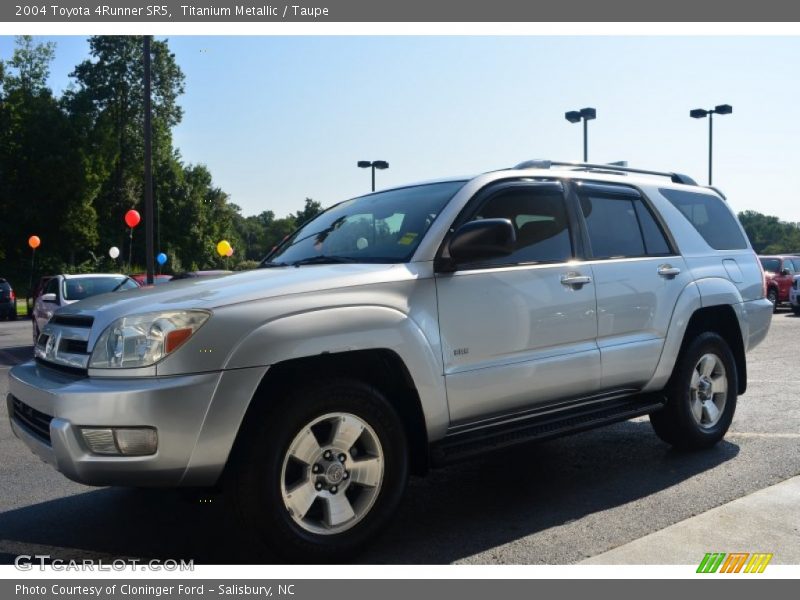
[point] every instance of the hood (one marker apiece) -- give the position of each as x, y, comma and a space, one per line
258, 284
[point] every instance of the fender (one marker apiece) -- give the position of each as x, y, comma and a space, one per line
711, 291
351, 328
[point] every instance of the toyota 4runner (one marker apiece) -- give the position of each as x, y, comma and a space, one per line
402, 330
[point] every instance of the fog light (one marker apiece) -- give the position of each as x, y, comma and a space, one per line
100, 441
136, 442
128, 441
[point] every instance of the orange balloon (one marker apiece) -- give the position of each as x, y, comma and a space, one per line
34, 242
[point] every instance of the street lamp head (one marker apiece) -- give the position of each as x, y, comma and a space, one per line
589, 113
723, 109
364, 164
698, 113
573, 116
380, 164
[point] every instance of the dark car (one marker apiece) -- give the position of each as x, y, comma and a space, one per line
8, 301
779, 271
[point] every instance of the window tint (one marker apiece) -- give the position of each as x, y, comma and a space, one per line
540, 221
613, 226
654, 241
710, 217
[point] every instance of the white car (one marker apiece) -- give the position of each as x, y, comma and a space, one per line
66, 289
794, 295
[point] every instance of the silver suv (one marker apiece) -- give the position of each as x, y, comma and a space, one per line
402, 330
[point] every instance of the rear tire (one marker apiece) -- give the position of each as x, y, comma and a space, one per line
308, 504
701, 395
796, 309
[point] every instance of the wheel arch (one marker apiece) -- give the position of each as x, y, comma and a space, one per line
381, 368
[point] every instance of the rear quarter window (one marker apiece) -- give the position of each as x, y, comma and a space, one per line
710, 217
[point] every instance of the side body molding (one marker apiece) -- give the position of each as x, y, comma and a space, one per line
352, 328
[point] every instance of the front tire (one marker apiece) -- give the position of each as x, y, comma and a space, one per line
321, 471
701, 395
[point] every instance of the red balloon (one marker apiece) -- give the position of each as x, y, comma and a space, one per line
132, 218
34, 241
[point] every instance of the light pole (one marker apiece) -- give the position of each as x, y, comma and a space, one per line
701, 113
585, 114
375, 164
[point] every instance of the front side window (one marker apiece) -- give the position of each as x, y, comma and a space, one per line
540, 222
384, 227
788, 266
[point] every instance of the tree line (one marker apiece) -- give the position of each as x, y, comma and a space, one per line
72, 165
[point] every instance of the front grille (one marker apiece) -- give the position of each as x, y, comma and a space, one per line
35, 422
72, 320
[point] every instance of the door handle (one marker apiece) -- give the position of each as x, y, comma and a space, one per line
575, 280
668, 271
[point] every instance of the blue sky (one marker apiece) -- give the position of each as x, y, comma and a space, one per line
279, 119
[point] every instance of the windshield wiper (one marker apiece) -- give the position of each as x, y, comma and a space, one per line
323, 260
272, 265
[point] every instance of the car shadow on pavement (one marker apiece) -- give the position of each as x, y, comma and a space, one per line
451, 514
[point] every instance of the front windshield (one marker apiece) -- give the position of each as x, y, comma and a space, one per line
83, 287
384, 227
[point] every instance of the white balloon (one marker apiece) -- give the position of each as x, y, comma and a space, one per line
113, 252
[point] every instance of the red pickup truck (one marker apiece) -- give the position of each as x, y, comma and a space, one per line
780, 271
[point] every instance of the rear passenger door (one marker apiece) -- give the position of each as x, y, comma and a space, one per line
638, 278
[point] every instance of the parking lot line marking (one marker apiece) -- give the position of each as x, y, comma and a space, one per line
17, 548
758, 434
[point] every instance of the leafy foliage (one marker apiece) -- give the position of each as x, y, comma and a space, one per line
70, 167
769, 235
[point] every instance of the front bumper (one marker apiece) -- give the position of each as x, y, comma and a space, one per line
196, 417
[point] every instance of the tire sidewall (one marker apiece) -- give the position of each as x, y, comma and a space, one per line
258, 492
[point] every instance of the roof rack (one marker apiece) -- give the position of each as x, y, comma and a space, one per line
600, 168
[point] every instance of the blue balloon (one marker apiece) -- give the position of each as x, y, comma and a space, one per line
161, 258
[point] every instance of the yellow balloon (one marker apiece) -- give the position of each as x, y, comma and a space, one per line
223, 248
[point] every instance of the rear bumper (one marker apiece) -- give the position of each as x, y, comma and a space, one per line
195, 434
758, 316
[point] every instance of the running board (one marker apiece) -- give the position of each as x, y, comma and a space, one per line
462, 446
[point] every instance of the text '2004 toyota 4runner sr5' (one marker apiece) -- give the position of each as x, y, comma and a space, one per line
405, 329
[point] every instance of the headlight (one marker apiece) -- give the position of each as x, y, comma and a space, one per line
143, 340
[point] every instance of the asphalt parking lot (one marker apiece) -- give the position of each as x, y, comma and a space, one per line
558, 502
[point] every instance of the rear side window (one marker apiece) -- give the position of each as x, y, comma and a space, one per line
710, 217
771, 265
613, 227
619, 223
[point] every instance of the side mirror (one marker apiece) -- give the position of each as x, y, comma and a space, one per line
484, 239
785, 272
51, 298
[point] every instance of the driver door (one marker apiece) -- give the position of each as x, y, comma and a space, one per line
516, 333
